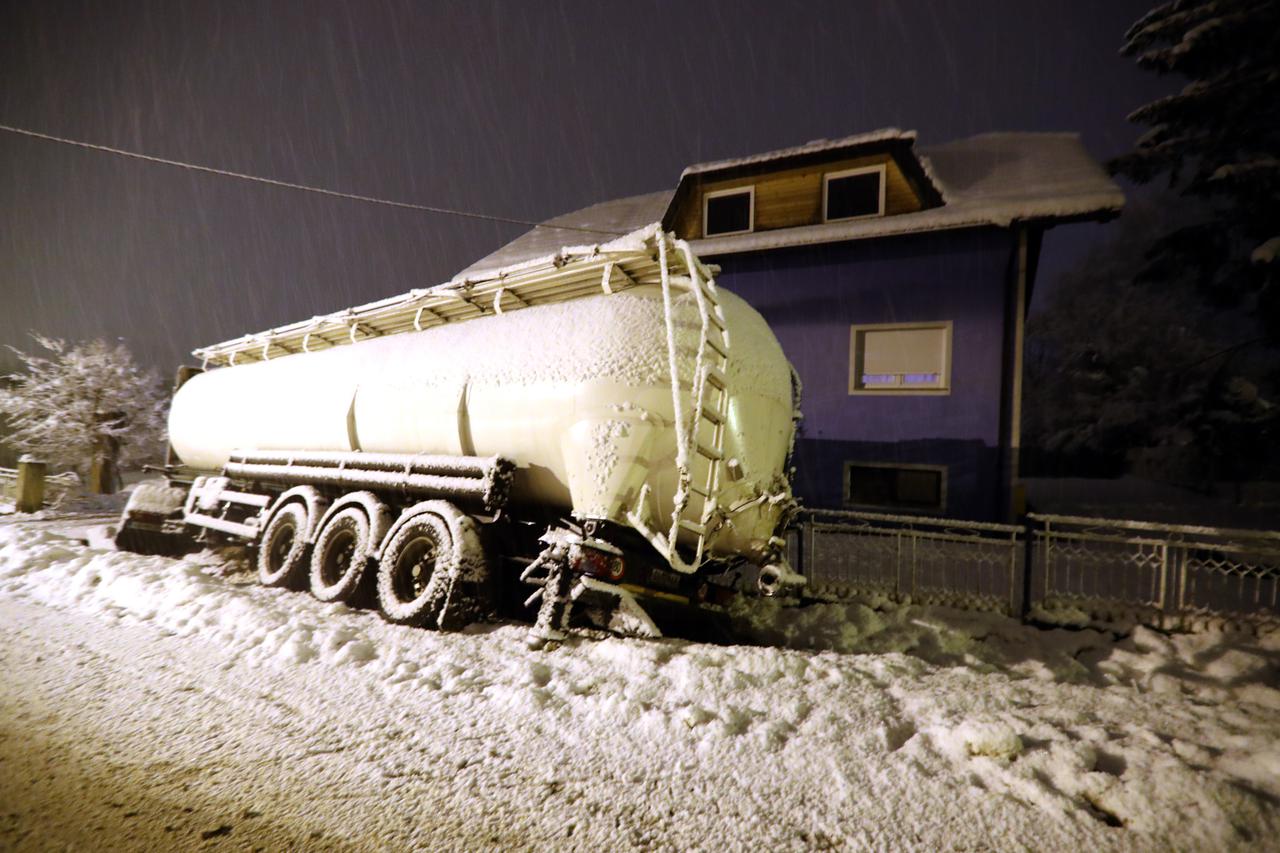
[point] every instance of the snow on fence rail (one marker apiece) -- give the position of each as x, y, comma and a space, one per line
969, 564
57, 486
1059, 568
1161, 574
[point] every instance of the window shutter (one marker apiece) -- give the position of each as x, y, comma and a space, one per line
904, 351
901, 358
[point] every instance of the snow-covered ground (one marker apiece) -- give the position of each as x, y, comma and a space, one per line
150, 702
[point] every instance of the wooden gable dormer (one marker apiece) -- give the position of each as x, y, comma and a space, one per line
867, 176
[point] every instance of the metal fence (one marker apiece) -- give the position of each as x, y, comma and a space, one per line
1167, 575
925, 560
1056, 568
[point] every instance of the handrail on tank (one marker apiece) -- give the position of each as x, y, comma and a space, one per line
571, 273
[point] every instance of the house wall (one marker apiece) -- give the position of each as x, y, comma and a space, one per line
793, 197
811, 296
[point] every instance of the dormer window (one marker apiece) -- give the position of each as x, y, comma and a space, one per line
853, 194
729, 212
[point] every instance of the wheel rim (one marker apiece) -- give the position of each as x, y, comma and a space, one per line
338, 556
281, 546
414, 568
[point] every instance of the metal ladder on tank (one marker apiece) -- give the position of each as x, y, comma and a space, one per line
700, 434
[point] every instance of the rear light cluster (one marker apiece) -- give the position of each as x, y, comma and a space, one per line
598, 563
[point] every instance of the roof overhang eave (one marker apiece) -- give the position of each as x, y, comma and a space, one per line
741, 244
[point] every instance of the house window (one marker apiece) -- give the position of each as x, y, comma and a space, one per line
729, 212
853, 194
915, 487
900, 358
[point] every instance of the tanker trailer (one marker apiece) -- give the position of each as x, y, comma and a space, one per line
605, 423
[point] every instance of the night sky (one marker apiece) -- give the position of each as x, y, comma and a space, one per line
518, 109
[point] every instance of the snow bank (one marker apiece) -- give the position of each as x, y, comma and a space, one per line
884, 728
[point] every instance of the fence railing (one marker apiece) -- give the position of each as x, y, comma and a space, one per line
1061, 568
966, 564
1162, 574
57, 486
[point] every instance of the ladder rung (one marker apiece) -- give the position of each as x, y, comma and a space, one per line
706, 285
717, 379
716, 320
693, 527
712, 415
700, 492
709, 290
721, 351
710, 452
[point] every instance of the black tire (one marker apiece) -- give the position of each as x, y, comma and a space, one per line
282, 550
415, 572
339, 559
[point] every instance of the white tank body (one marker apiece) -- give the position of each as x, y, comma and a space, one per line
576, 393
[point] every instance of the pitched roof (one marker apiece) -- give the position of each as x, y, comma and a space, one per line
993, 179
613, 218
816, 146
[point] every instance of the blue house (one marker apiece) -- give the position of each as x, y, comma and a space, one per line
897, 280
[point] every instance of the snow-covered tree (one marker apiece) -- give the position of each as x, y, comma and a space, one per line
1217, 140
87, 406
1120, 368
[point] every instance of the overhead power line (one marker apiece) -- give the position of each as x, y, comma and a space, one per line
226, 173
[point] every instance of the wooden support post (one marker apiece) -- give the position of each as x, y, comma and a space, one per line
104, 473
30, 484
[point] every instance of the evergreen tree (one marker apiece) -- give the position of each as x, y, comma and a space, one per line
1217, 140
1121, 370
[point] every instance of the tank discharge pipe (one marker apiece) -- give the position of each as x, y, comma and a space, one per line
465, 479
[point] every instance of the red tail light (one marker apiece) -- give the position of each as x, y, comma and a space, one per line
599, 563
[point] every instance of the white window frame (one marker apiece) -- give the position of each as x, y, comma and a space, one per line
750, 189
942, 471
856, 371
848, 173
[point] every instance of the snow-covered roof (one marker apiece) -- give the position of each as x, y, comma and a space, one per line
612, 218
993, 179
816, 146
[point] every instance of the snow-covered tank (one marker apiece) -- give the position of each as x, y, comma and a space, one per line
576, 393
621, 384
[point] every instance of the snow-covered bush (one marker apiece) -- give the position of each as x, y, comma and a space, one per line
87, 406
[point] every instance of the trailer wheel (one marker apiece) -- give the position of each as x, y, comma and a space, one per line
282, 551
414, 573
340, 558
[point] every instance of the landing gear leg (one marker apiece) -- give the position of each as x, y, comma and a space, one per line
553, 612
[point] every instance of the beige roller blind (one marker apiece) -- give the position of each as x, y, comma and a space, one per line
904, 350
901, 358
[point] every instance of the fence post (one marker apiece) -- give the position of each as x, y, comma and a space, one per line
1170, 585
1029, 553
30, 484
1017, 597
809, 549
